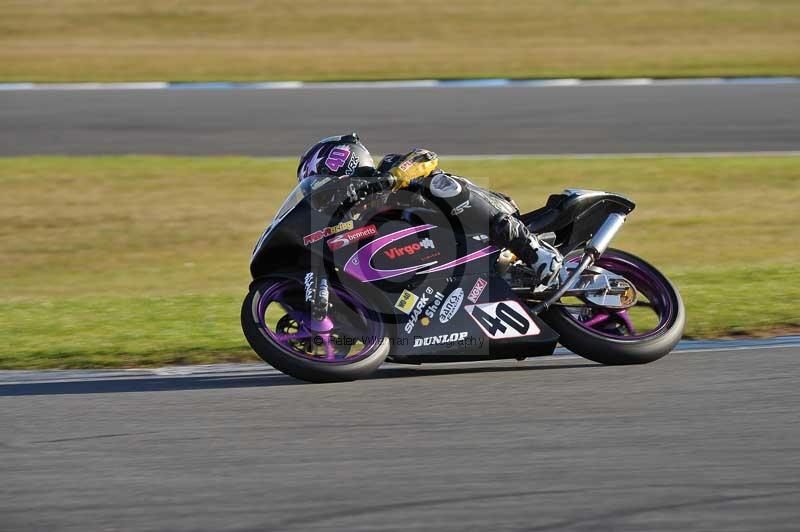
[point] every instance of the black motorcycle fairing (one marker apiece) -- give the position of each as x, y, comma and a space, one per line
575, 215
443, 329
303, 239
281, 245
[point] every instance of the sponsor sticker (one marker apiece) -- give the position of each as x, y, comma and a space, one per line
345, 239
430, 312
426, 307
440, 339
352, 165
461, 207
405, 303
399, 251
408, 163
477, 290
502, 319
451, 305
327, 231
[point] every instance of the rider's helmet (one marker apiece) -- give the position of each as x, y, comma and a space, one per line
336, 156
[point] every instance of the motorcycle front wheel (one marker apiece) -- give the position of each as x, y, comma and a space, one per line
637, 335
348, 345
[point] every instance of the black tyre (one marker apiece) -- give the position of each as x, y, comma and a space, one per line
350, 344
614, 337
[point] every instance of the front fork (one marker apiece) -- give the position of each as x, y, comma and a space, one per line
317, 297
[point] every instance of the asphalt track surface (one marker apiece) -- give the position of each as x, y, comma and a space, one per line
490, 120
697, 441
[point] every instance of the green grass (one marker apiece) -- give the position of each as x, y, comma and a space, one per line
129, 261
121, 40
113, 331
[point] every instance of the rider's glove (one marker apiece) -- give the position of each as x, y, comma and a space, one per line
415, 165
387, 162
354, 192
357, 190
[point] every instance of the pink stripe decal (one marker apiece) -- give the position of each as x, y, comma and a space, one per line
488, 250
359, 265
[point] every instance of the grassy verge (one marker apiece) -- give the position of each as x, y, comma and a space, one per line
113, 40
126, 261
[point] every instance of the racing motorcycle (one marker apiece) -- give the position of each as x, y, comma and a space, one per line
335, 294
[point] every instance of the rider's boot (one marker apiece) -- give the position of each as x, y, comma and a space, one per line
543, 262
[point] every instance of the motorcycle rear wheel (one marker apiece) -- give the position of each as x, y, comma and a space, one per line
350, 344
610, 336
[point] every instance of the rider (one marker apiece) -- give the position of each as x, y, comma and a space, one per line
417, 172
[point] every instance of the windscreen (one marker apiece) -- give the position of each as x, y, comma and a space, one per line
303, 189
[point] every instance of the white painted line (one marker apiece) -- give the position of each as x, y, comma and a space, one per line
565, 82
400, 84
151, 85
617, 82
739, 348
411, 84
278, 85
262, 370
17, 86
690, 81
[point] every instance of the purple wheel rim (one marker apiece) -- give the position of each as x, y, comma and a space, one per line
325, 334
648, 282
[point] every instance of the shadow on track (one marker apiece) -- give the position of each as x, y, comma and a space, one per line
430, 370
216, 382
145, 384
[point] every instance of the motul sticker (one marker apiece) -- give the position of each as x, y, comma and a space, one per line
502, 319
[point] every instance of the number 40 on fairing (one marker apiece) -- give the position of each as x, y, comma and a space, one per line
502, 319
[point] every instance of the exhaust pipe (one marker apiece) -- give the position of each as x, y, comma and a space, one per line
596, 246
602, 238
